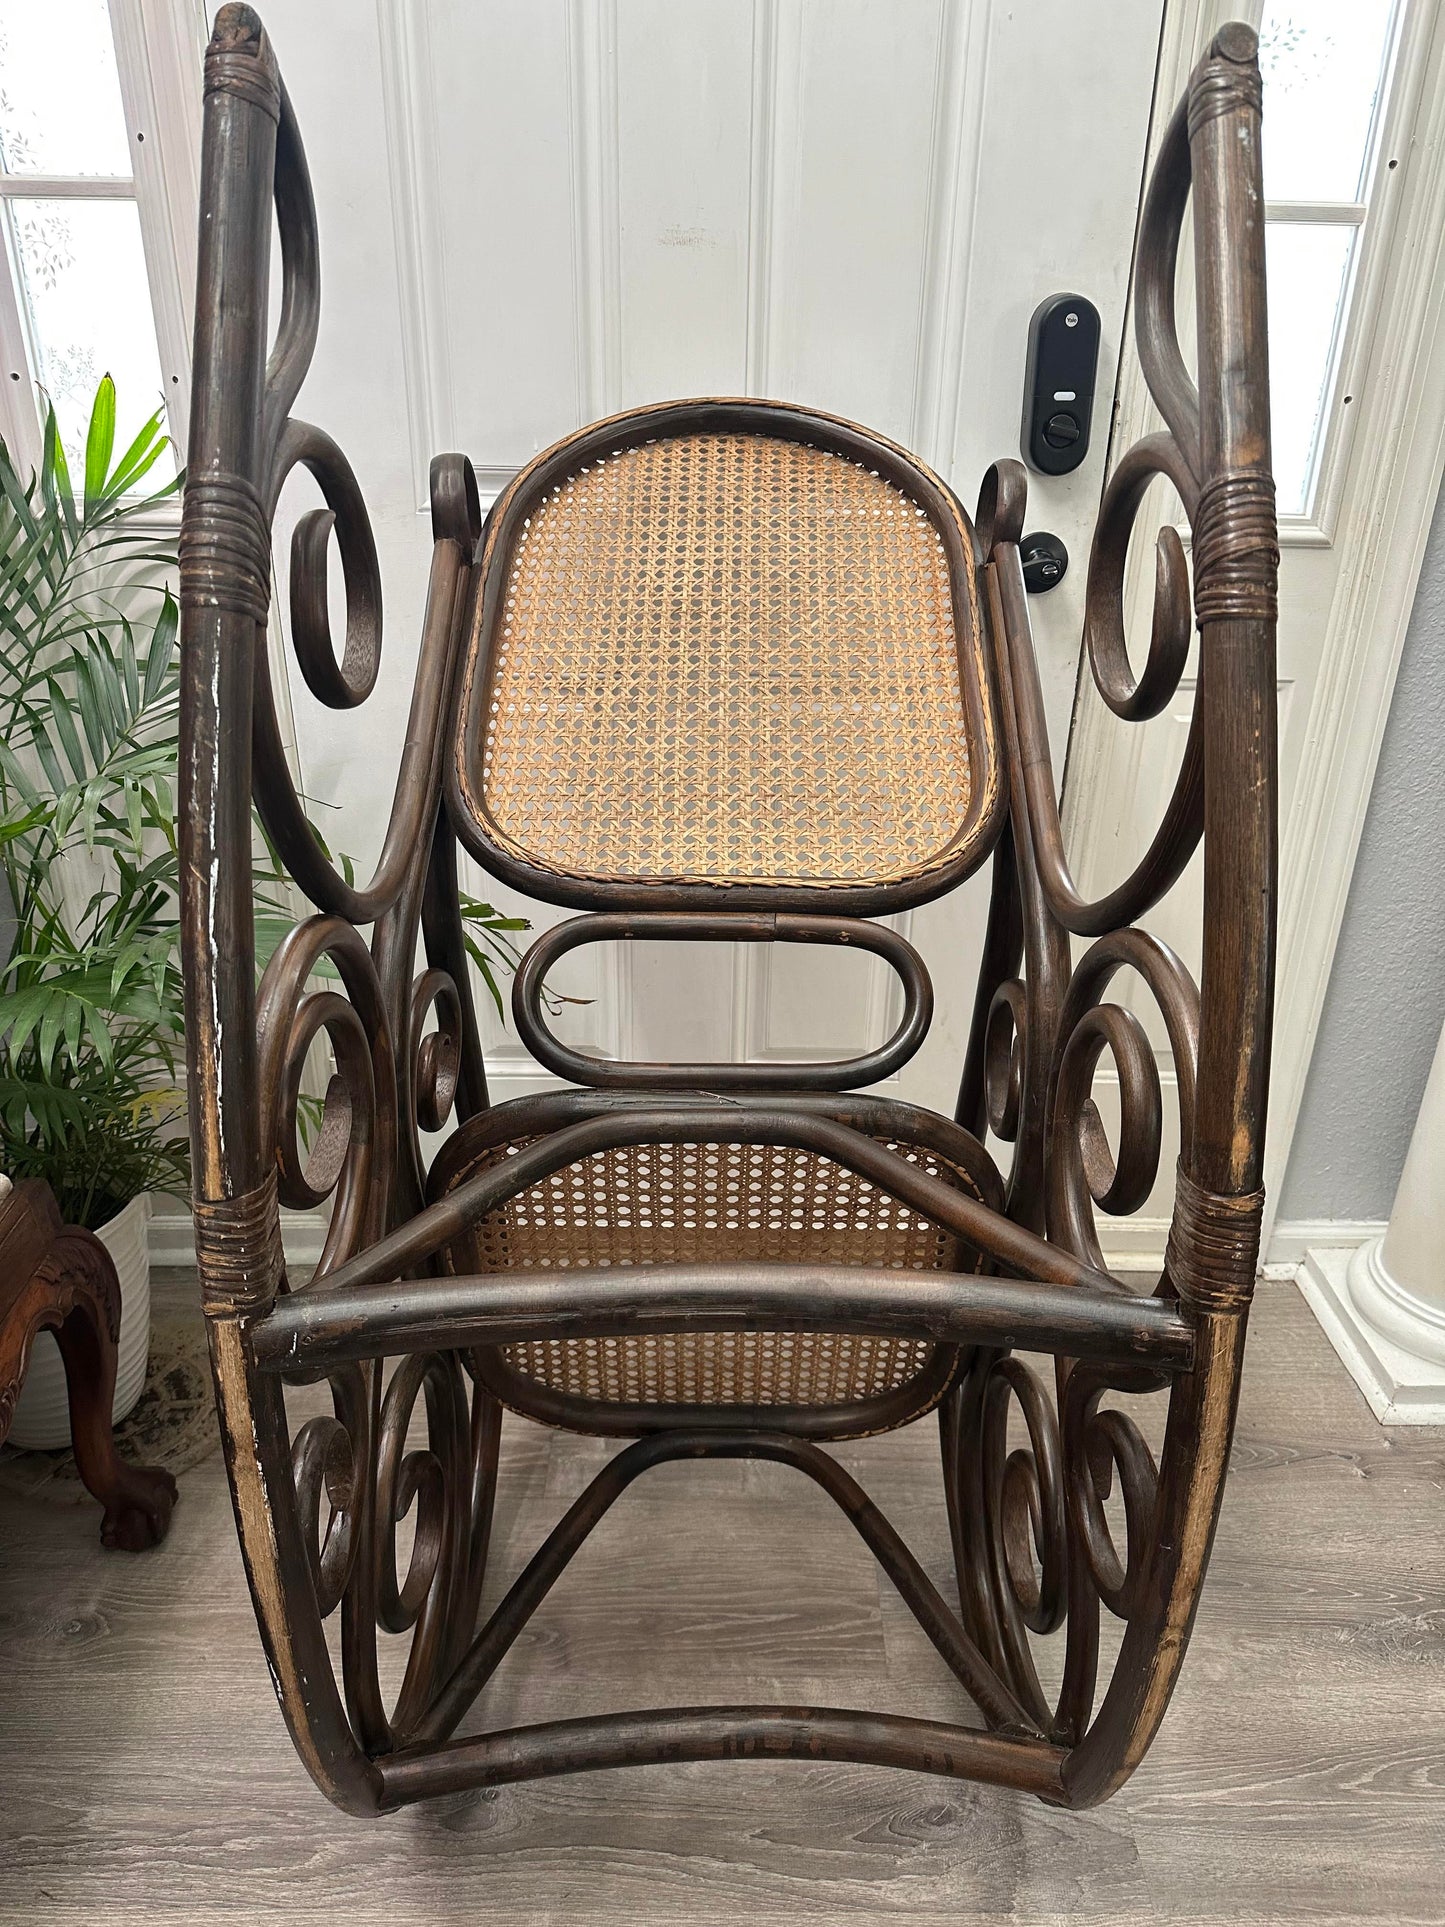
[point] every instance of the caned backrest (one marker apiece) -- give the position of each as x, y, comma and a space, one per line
727, 649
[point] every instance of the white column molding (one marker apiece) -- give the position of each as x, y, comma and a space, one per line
1383, 1304
1398, 1281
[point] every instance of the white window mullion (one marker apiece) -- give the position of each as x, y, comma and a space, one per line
65, 187
19, 423
1319, 213
159, 45
1323, 214
155, 165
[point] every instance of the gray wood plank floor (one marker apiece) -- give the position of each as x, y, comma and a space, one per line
145, 1774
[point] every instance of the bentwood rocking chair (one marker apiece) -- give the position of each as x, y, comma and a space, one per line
723, 669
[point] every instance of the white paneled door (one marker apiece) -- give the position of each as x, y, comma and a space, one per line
580, 205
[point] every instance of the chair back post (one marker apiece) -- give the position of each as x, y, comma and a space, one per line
1236, 561
225, 597
1213, 1246
225, 581
1213, 1241
225, 594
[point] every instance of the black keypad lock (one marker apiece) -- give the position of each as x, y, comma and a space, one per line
1059, 383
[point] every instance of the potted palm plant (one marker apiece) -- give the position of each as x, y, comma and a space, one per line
90, 1001
91, 1017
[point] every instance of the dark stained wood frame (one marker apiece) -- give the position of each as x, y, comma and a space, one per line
692, 926
318, 1512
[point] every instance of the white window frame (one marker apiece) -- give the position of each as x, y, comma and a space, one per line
1375, 215
158, 47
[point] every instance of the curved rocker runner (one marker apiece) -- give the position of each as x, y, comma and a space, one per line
737, 669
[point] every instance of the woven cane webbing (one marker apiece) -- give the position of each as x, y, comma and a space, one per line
727, 658
711, 1203
723, 1368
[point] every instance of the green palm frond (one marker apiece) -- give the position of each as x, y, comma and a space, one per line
91, 1024
91, 993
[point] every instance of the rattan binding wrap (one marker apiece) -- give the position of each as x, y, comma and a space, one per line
713, 1203
729, 658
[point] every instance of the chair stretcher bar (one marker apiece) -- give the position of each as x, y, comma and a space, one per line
323, 1328
723, 1733
1019, 1250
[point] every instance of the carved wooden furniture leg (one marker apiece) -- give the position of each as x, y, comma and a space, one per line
56, 1277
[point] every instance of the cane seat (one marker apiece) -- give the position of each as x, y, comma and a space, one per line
677, 1204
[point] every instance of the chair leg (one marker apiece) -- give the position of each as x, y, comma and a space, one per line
1159, 1609
1036, 1555
137, 1499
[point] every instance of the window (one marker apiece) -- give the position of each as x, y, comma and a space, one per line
94, 283
1326, 65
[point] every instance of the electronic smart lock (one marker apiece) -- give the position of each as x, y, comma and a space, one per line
1059, 383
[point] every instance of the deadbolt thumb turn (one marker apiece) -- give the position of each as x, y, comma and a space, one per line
1045, 562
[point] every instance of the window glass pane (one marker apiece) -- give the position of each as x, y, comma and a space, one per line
60, 109
1306, 265
1323, 64
83, 278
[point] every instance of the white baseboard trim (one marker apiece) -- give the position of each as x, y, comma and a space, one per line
1137, 1244
1294, 1237
1130, 1244
172, 1239
1401, 1389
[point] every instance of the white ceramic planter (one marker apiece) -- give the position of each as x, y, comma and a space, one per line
42, 1413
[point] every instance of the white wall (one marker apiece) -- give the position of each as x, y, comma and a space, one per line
1386, 1000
